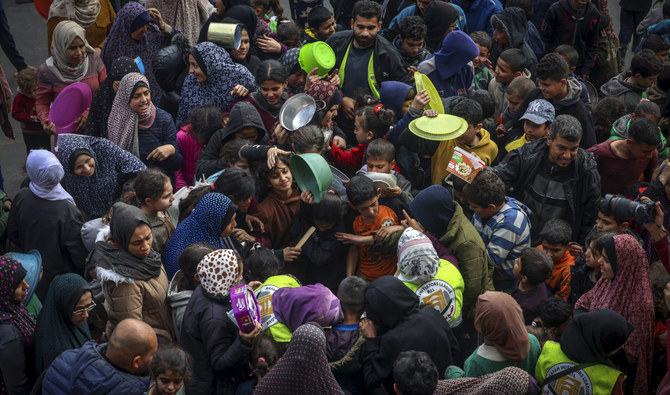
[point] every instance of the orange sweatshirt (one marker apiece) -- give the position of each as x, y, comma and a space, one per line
559, 280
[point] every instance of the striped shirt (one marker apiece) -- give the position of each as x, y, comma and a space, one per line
505, 235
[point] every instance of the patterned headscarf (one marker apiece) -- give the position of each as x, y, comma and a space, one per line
84, 12
218, 272
183, 15
417, 259
629, 294
205, 224
511, 380
222, 76
326, 92
45, 173
122, 123
103, 98
11, 276
290, 60
95, 194
64, 34
120, 43
303, 369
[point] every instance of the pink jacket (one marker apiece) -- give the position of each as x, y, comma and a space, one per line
190, 149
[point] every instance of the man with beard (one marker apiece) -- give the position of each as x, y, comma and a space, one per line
120, 366
364, 59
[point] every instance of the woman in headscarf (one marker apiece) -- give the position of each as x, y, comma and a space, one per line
219, 348
213, 79
183, 15
625, 288
590, 338
95, 171
62, 324
72, 60
498, 317
95, 16
211, 223
103, 98
44, 217
16, 328
296, 75
139, 127
330, 96
441, 18
138, 32
246, 53
132, 276
303, 369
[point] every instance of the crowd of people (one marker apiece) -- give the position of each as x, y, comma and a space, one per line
544, 271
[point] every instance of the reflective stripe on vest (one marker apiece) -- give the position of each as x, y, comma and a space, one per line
596, 379
444, 292
276, 329
372, 81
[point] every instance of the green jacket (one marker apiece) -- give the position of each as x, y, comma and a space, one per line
462, 240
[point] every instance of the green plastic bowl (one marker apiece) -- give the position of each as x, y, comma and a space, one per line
312, 173
318, 54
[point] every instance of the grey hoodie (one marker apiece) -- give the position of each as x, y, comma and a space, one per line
178, 301
630, 94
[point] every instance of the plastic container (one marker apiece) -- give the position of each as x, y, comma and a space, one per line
439, 128
69, 105
318, 54
245, 308
312, 173
423, 82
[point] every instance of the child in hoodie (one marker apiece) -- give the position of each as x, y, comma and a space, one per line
380, 158
411, 43
571, 57
631, 86
450, 69
482, 73
509, 29
644, 109
501, 221
556, 243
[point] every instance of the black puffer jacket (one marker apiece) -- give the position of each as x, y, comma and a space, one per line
514, 24
170, 70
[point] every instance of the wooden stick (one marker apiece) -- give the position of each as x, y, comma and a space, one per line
306, 236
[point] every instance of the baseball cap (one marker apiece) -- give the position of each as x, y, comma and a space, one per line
539, 111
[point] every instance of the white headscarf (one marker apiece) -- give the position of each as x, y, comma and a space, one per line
45, 173
84, 12
417, 259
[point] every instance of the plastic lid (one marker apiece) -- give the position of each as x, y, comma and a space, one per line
324, 55
318, 54
423, 82
440, 128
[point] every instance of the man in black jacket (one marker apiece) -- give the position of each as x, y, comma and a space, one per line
364, 60
555, 179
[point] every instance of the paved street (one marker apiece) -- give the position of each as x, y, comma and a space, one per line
29, 30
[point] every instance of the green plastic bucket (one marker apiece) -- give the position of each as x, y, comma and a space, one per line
312, 173
318, 54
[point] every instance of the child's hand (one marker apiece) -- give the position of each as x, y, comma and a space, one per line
291, 253
368, 328
410, 222
249, 337
312, 78
501, 131
307, 197
347, 105
348, 238
7, 205
162, 153
575, 249
391, 191
243, 236
334, 77
254, 285
272, 156
239, 90
49, 127
420, 100
488, 64
252, 221
340, 142
281, 134
385, 232
430, 113
268, 45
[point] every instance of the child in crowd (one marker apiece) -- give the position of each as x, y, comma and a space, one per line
153, 195
371, 122
263, 8
506, 131
571, 57
553, 315
265, 353
344, 340
631, 86
414, 372
610, 220
320, 25
203, 122
585, 276
475, 140
509, 31
608, 110
644, 109
658, 92
511, 64
536, 123
170, 369
371, 253
185, 281
501, 221
658, 45
531, 269
609, 61
380, 158
272, 79
23, 110
555, 235
411, 43
230, 155
289, 34
483, 74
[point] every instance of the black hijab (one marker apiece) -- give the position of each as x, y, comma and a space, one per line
592, 336
439, 16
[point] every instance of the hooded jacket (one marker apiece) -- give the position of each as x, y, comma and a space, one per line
178, 301
515, 26
578, 28
242, 115
569, 105
498, 90
561, 274
402, 326
620, 131
408, 60
582, 190
479, 14
631, 94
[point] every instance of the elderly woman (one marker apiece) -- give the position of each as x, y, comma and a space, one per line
139, 127
72, 60
138, 32
213, 79
95, 16
44, 217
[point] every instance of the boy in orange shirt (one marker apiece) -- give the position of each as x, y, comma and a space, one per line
368, 255
556, 243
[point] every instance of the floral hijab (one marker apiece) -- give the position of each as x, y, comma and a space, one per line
64, 34
11, 276
123, 121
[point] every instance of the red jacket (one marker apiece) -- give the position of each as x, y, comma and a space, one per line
23, 110
352, 159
